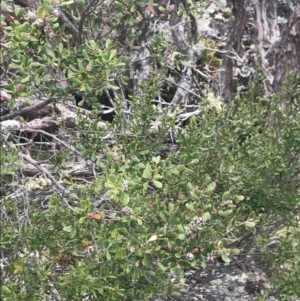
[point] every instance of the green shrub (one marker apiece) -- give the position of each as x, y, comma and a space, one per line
235, 172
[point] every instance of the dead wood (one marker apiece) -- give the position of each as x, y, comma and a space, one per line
27, 110
287, 53
233, 46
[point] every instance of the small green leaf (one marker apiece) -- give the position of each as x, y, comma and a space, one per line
177, 271
204, 10
5, 6
81, 103
67, 228
180, 229
206, 216
229, 225
29, 101
211, 187
93, 157
235, 251
225, 213
108, 43
49, 51
152, 238
157, 160
171, 207
25, 79
125, 198
250, 225
178, 255
35, 64
108, 256
146, 262
161, 230
157, 184
182, 236
150, 275
161, 267
221, 169
238, 198
14, 66
82, 220
73, 232
110, 86
112, 54
147, 173
157, 177
225, 258
85, 54
225, 196
66, 3
207, 179
5, 290
189, 206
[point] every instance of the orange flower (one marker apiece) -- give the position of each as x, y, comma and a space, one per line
196, 250
151, 9
93, 216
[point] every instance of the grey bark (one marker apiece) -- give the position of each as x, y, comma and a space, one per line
233, 46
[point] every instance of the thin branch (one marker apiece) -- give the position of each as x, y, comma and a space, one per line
69, 25
184, 89
109, 98
26, 110
54, 138
88, 10
45, 171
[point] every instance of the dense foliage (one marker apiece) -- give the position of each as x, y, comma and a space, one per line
150, 212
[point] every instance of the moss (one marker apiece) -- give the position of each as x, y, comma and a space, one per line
63, 258
226, 14
210, 56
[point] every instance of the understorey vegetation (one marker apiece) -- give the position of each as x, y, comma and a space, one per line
115, 194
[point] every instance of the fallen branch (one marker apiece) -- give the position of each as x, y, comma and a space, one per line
46, 172
53, 137
26, 110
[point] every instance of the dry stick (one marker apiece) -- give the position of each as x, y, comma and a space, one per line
88, 10
26, 110
198, 297
69, 25
45, 171
49, 175
54, 138
189, 91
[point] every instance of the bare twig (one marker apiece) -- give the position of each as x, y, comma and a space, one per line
69, 25
54, 138
88, 10
109, 98
26, 110
187, 90
46, 172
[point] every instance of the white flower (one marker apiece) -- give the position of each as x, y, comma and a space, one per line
190, 256
215, 102
200, 221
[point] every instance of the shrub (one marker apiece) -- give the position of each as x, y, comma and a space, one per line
149, 213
